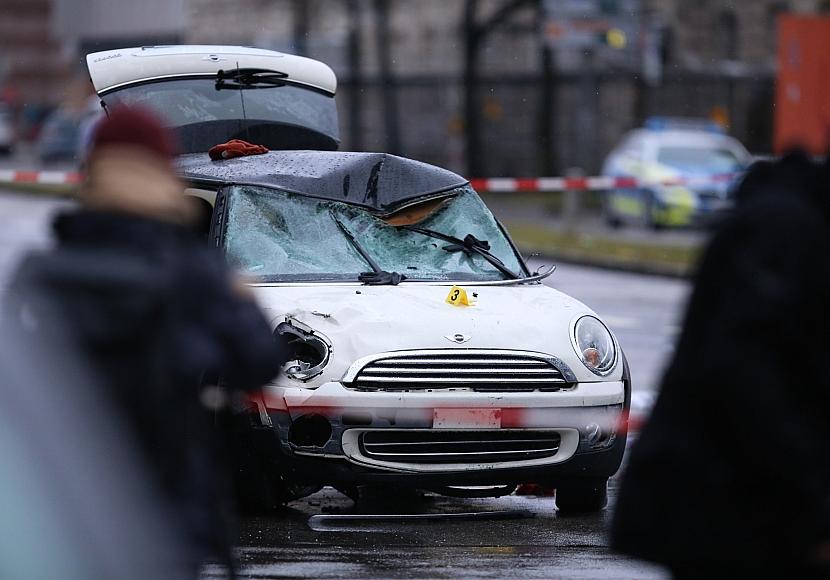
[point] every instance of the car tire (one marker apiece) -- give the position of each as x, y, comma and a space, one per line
259, 484
588, 498
256, 482
648, 220
263, 490
257, 493
612, 220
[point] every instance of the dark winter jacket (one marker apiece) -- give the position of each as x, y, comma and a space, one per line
732, 469
152, 309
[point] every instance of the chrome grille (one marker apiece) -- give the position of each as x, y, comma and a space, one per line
449, 369
461, 446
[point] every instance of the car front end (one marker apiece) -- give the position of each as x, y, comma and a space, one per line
423, 352
414, 391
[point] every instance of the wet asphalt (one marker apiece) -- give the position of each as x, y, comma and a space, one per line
644, 312
536, 543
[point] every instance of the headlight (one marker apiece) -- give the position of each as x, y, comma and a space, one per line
309, 351
594, 345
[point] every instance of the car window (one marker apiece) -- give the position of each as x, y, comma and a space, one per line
280, 236
196, 108
632, 146
698, 159
633, 149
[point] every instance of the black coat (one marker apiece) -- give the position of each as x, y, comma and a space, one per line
153, 312
732, 467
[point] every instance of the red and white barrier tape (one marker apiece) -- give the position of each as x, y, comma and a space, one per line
40, 177
491, 184
507, 184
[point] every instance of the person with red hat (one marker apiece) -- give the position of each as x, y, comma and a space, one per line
157, 313
129, 168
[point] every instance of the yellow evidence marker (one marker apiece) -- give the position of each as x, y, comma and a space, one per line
458, 297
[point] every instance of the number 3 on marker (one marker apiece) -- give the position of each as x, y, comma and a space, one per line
458, 297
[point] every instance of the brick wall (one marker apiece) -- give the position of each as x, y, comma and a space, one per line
30, 60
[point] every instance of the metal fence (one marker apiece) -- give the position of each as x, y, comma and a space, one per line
587, 117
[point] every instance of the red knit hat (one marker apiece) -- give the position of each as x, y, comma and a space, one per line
135, 126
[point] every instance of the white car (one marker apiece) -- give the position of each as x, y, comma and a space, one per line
425, 352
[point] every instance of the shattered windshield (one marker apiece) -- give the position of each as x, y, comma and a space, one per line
273, 235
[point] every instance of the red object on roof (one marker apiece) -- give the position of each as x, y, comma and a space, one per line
235, 148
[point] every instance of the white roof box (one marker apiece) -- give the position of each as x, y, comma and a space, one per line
114, 69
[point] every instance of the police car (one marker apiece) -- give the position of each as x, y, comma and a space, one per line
682, 172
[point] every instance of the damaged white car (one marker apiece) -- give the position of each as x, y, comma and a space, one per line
426, 353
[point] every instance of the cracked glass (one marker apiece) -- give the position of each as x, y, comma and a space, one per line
275, 235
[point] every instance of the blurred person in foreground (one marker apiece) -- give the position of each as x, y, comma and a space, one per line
730, 477
77, 500
156, 313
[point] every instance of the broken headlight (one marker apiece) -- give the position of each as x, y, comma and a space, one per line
308, 351
594, 345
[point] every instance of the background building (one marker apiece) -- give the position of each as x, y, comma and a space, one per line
539, 108
486, 87
83, 26
31, 69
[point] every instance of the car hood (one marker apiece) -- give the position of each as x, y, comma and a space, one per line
364, 320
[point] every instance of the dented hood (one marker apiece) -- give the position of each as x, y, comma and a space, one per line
365, 320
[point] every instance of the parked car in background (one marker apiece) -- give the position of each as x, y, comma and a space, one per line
67, 131
7, 136
424, 351
58, 138
684, 172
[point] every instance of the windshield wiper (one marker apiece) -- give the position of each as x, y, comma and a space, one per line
378, 276
469, 245
249, 78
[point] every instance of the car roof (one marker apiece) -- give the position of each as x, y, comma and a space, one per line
113, 69
380, 182
691, 138
683, 137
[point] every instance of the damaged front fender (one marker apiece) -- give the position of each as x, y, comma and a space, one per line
309, 351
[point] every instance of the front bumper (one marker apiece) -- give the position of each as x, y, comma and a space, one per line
317, 436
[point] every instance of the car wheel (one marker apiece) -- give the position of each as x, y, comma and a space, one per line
648, 220
614, 222
262, 490
259, 484
611, 218
256, 491
588, 498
